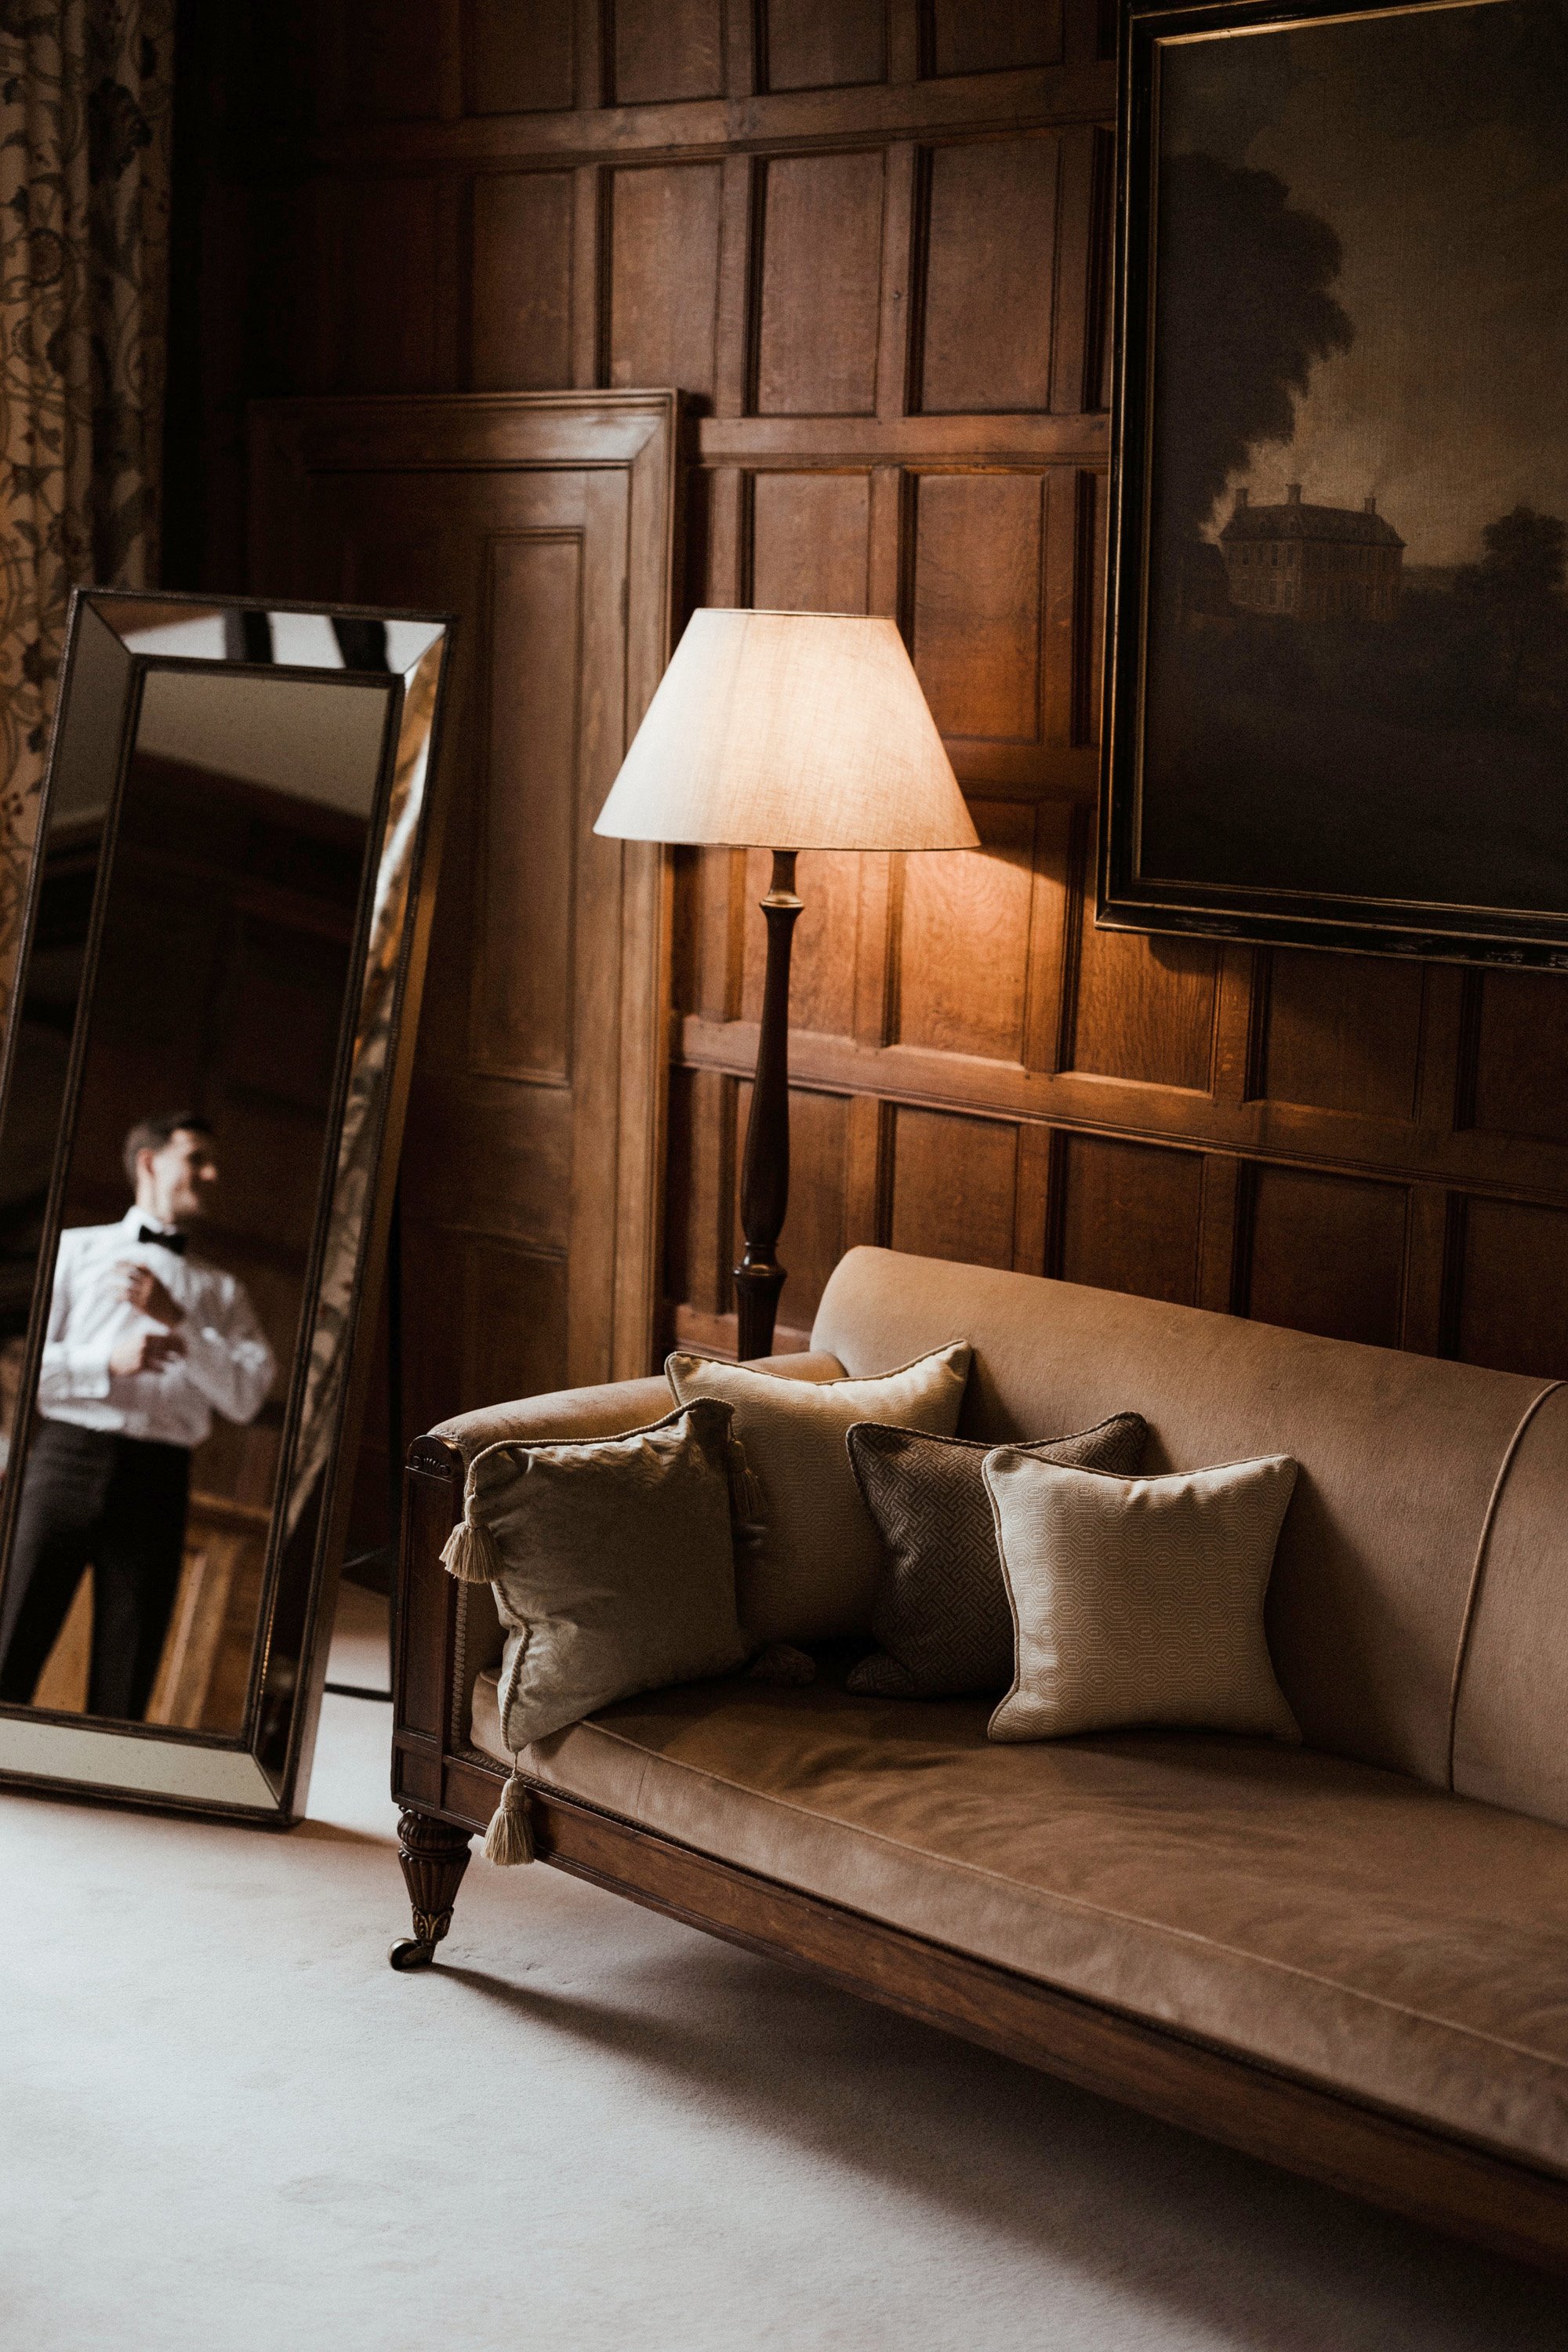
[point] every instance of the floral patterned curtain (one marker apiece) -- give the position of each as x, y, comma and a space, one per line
85, 93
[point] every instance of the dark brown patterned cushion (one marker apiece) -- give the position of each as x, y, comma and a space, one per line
941, 1614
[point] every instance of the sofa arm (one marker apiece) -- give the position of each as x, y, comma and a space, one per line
605, 1411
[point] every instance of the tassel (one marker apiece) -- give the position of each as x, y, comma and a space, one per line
510, 1837
746, 1498
471, 1553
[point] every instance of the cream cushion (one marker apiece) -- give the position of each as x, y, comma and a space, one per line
1139, 1600
616, 1566
808, 1570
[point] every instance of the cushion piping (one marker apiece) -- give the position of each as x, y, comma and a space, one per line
1478, 1569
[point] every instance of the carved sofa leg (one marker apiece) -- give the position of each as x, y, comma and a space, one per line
433, 1857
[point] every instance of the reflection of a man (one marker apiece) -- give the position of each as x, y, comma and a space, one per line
144, 1343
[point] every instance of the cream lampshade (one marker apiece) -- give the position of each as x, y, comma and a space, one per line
784, 731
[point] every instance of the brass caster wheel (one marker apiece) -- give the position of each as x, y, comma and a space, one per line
410, 1954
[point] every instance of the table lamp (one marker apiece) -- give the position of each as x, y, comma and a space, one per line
784, 731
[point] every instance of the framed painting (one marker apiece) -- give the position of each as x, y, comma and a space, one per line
1337, 695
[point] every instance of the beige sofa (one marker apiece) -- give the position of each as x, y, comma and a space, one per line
1350, 1958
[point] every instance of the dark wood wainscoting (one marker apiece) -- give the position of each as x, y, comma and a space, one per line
871, 242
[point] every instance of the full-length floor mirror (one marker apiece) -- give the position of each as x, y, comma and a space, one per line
200, 1107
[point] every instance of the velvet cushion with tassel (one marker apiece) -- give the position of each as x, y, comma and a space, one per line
612, 1562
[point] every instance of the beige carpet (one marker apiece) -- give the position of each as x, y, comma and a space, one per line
228, 2127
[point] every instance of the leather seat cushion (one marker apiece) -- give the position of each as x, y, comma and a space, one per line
1350, 1925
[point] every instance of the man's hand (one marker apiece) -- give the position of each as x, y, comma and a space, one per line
145, 1351
140, 1288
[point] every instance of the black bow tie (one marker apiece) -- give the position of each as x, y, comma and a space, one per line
175, 1242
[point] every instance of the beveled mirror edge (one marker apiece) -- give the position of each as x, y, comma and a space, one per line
52, 1738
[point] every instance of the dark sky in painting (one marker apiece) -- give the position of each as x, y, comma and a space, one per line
1435, 142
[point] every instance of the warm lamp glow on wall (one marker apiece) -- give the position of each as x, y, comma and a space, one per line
784, 731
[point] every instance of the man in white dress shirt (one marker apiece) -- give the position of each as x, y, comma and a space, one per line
145, 1342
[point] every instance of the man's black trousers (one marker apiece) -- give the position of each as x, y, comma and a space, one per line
90, 1498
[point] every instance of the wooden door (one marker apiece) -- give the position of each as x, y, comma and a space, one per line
531, 1170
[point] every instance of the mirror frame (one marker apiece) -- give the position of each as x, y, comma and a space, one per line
260, 1774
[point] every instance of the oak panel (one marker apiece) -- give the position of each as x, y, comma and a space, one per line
522, 314
976, 623
1143, 1008
1513, 1290
519, 1006
1521, 1085
963, 963
1343, 1033
1327, 1255
402, 74
518, 56
664, 275
991, 248
810, 542
1130, 1217
667, 48
823, 227
824, 44
954, 1186
386, 296
961, 36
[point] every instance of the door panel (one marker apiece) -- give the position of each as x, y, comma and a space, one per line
531, 1173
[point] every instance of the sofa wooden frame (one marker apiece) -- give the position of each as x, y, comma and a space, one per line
448, 1790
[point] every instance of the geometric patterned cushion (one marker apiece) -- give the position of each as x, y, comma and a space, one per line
940, 1614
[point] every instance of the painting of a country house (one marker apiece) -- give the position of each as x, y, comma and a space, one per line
1343, 581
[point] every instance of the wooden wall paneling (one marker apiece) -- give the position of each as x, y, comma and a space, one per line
1061, 828
520, 56
961, 38
1427, 1319
964, 939
810, 541
1224, 1193
867, 1172
407, 72
1144, 1008
822, 219
738, 298
954, 1187
1520, 1082
1327, 1254
521, 331
1512, 1306
590, 363
667, 49
1240, 1020
1130, 1217
389, 301
823, 43
1343, 1033
976, 610
990, 249
664, 275
873, 243
535, 1132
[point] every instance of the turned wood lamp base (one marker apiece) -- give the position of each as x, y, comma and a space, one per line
764, 1170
